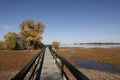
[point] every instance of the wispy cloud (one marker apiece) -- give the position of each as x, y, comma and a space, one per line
5, 27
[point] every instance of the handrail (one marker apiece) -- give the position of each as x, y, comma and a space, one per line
77, 74
21, 75
40, 69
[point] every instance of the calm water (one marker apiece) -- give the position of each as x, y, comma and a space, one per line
90, 46
98, 66
91, 64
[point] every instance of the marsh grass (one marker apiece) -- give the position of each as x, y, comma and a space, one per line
11, 62
102, 55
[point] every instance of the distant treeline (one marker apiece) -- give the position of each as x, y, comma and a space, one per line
98, 43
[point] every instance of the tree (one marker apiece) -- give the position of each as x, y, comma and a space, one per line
31, 33
10, 40
56, 44
2, 46
29, 37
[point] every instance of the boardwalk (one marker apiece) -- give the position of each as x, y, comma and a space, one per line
44, 67
50, 70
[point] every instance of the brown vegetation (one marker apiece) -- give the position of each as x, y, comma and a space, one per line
103, 55
12, 62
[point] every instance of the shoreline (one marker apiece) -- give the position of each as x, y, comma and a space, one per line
101, 55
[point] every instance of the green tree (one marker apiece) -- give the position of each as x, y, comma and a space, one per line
56, 44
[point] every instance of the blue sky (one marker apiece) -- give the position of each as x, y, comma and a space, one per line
67, 21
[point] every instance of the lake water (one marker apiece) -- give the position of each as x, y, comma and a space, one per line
91, 46
98, 66
91, 64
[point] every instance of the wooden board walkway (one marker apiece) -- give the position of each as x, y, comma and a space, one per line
44, 67
50, 70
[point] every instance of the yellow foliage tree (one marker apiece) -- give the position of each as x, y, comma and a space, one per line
29, 37
56, 44
2, 45
10, 40
31, 33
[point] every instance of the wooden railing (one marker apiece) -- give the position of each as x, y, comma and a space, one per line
61, 62
36, 65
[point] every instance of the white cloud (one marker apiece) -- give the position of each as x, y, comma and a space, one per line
5, 27
3, 30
